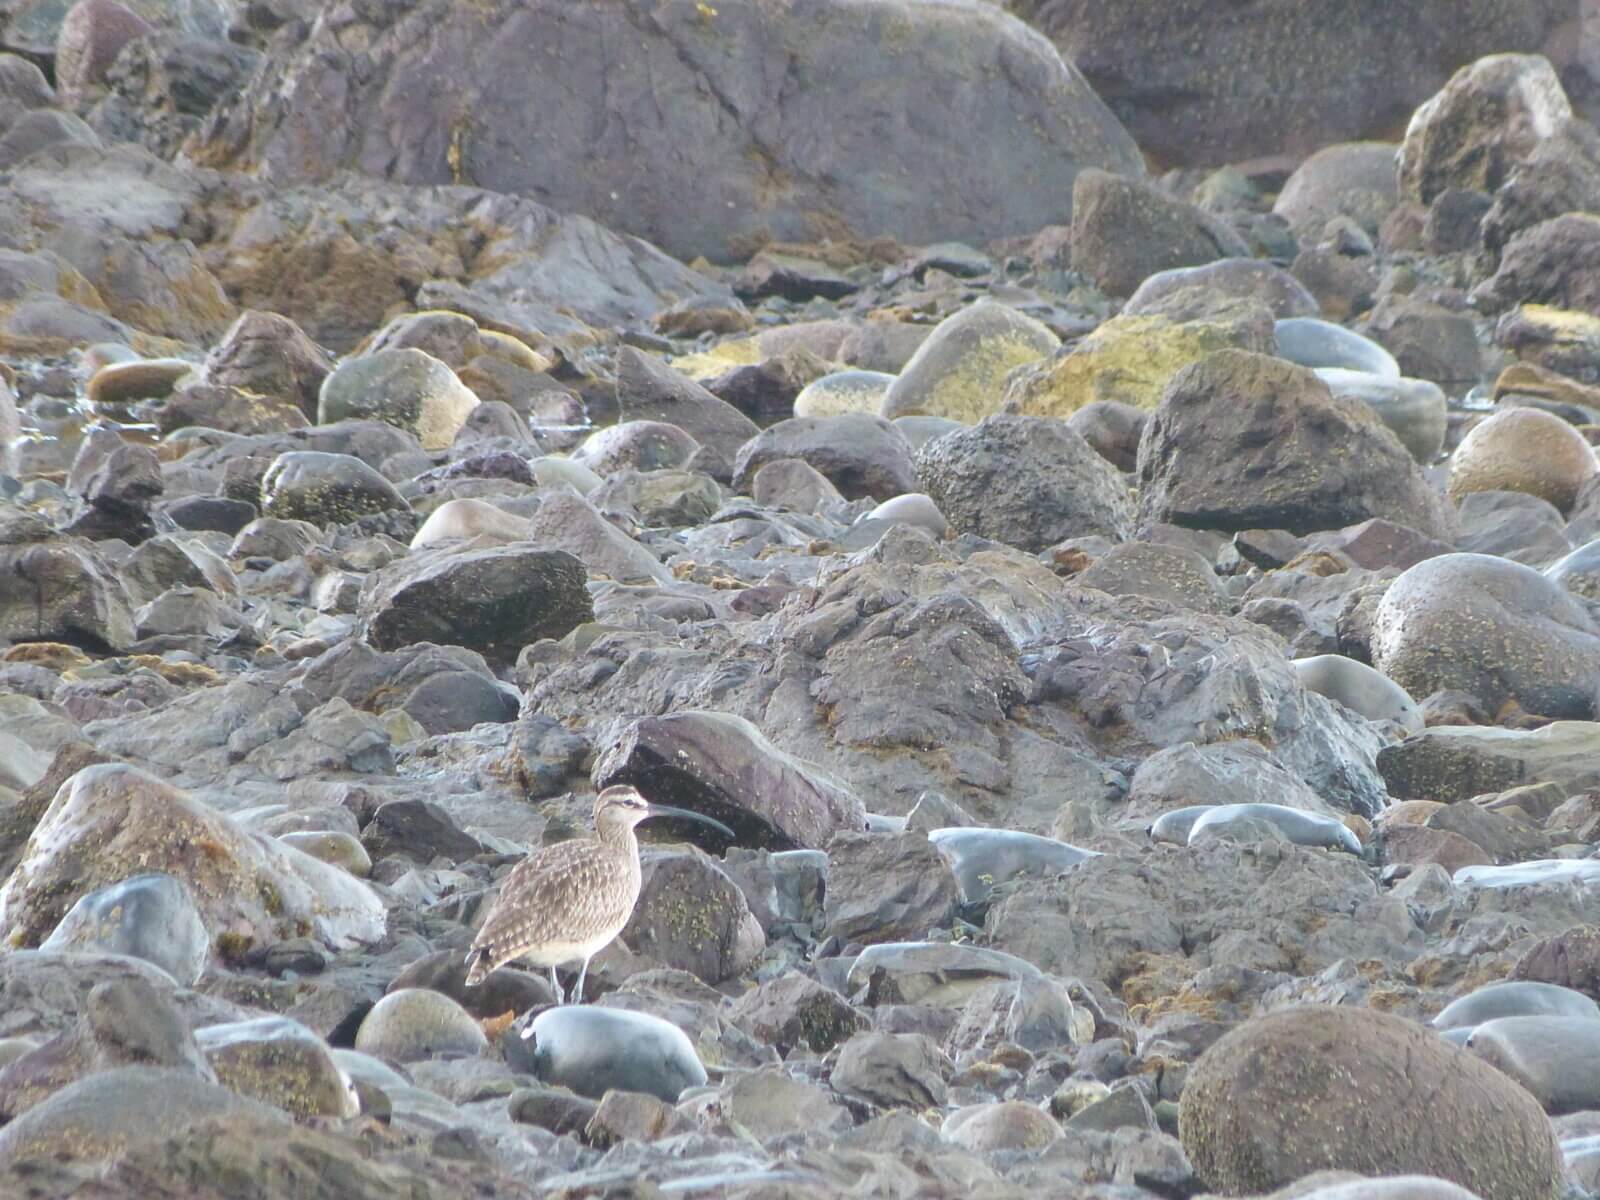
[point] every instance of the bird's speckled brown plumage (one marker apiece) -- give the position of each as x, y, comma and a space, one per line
566, 902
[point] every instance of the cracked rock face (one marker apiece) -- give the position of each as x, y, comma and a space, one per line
724, 123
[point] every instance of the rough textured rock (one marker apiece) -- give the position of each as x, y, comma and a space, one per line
1322, 1087
1199, 86
721, 765
1155, 920
692, 917
494, 600
63, 592
1491, 114
1244, 441
1494, 629
703, 84
1451, 763
250, 888
861, 454
886, 887
1125, 230
1027, 481
649, 390
1130, 359
325, 489
1553, 262
95, 1118
278, 1062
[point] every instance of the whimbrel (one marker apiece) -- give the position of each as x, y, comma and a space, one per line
567, 901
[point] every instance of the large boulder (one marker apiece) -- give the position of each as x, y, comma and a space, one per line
493, 599
112, 821
1201, 85
1491, 115
63, 591
1027, 481
728, 125
1318, 1087
721, 765
1492, 628
1246, 441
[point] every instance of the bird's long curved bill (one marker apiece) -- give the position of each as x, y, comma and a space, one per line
666, 810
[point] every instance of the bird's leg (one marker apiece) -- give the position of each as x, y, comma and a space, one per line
577, 992
555, 986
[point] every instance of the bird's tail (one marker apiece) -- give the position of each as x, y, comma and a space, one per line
479, 964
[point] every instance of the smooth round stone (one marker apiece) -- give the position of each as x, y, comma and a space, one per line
465, 517
325, 489
1492, 628
1523, 450
921, 430
1006, 1125
1313, 342
1535, 873
1413, 408
140, 379
960, 371
1300, 827
335, 847
152, 917
550, 471
407, 388
595, 1050
1515, 998
279, 1062
415, 1023
1578, 572
912, 508
1242, 278
981, 858
1329, 1087
1359, 688
1556, 1058
843, 392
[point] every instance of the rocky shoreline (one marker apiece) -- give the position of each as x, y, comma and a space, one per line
1141, 630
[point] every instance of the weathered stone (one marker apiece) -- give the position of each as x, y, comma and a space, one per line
325, 489
721, 765
493, 600
959, 372
1494, 629
1027, 481
109, 820
1491, 114
861, 454
694, 173
886, 887
1352, 179
1328, 1087
1244, 441
892, 1070
407, 388
1125, 230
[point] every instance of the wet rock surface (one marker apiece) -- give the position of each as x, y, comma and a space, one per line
1141, 655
